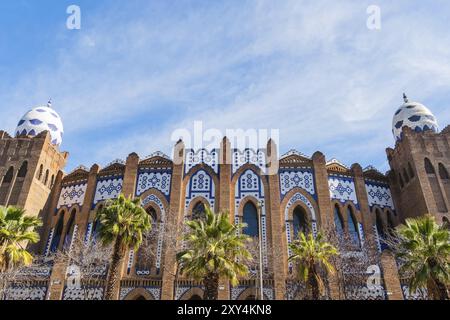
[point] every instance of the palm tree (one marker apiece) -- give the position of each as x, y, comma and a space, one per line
311, 256
122, 222
215, 248
16, 230
424, 248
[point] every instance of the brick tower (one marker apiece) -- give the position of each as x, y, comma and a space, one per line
419, 163
30, 161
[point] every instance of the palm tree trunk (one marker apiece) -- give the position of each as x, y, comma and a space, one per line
442, 290
211, 283
314, 287
113, 282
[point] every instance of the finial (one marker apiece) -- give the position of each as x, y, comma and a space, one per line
405, 98
49, 103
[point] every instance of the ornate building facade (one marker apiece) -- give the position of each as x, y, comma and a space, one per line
306, 193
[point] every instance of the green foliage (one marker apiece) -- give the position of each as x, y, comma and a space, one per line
16, 231
124, 219
311, 255
424, 249
215, 246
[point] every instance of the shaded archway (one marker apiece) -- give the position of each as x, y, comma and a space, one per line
139, 294
193, 294
300, 221
251, 294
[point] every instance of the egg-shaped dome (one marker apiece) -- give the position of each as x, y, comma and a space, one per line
41, 119
415, 116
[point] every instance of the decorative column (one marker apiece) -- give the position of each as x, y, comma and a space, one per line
130, 175
57, 281
58, 275
363, 201
325, 209
83, 219
50, 210
391, 278
323, 190
174, 220
279, 243
225, 200
128, 189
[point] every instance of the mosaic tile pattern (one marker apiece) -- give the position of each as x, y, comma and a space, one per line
342, 189
290, 179
72, 195
107, 189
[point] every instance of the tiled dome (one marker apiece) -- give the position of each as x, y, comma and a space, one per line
415, 116
41, 119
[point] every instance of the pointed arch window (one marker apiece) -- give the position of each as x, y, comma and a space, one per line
250, 218
380, 225
400, 179
429, 168
391, 223
23, 170
381, 230
352, 227
58, 233
338, 223
96, 225
40, 172
9, 175
69, 230
300, 221
411, 170
443, 173
46, 177
405, 174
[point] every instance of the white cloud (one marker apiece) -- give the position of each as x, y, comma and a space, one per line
311, 69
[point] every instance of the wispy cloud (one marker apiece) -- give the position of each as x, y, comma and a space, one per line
138, 70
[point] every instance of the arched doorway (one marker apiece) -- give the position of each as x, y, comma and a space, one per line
300, 221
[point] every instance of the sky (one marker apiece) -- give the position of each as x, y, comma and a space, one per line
137, 70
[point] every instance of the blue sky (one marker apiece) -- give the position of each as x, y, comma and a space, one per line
138, 70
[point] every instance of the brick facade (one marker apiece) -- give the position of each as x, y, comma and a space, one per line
228, 183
